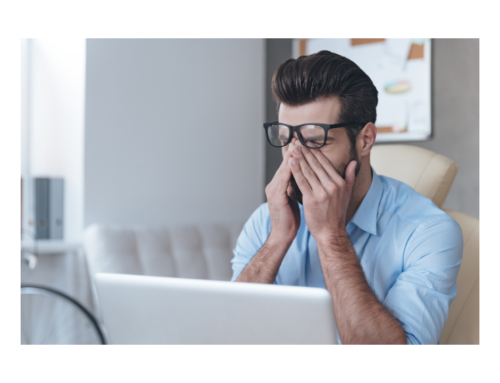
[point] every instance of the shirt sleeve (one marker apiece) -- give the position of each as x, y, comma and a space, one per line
251, 239
422, 294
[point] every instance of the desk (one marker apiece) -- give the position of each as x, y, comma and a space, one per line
60, 265
44, 246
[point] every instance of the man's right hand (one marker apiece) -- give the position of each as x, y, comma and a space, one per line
284, 210
285, 222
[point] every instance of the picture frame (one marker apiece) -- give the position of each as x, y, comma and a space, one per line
400, 70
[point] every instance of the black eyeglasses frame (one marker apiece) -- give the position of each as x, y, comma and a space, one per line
292, 129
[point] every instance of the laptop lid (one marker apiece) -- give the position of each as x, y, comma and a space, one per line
161, 310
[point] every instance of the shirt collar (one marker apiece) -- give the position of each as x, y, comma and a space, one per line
367, 214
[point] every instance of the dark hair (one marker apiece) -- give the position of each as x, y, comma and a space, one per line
323, 74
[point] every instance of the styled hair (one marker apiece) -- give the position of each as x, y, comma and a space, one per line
325, 74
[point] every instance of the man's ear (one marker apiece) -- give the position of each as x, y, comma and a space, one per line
366, 139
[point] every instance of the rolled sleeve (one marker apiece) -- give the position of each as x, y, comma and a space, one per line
422, 294
251, 239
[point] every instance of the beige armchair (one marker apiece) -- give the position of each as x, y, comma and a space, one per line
429, 173
462, 326
432, 175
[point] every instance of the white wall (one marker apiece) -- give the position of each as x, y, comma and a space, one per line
56, 86
174, 130
456, 118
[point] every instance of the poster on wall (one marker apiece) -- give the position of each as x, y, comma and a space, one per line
400, 70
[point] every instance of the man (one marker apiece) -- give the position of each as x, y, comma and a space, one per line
388, 256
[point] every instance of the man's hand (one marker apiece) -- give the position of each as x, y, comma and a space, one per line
285, 222
326, 194
360, 317
284, 211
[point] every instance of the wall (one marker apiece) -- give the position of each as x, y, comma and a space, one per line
456, 117
172, 130
455, 103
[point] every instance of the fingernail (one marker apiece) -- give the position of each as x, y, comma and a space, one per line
294, 161
297, 150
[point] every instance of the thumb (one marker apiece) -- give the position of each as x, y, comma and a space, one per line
350, 175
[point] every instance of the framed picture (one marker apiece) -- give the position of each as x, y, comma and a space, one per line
400, 70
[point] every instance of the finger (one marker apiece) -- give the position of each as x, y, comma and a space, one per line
279, 184
289, 152
300, 179
273, 186
282, 168
327, 165
307, 171
316, 166
350, 175
284, 182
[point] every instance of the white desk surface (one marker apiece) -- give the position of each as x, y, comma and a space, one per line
43, 246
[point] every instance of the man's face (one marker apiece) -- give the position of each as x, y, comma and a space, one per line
338, 148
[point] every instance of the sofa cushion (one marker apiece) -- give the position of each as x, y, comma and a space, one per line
189, 251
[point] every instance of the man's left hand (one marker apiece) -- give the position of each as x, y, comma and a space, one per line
326, 194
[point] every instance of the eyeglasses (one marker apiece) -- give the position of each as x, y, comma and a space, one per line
311, 135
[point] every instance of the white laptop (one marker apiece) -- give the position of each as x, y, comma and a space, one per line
160, 310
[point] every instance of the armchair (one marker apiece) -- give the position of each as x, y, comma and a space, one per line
432, 175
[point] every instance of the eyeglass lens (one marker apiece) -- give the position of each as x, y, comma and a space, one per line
312, 135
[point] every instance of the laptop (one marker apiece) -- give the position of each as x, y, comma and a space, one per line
160, 310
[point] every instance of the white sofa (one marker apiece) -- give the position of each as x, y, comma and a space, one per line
187, 251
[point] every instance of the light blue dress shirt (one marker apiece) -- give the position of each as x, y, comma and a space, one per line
409, 249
